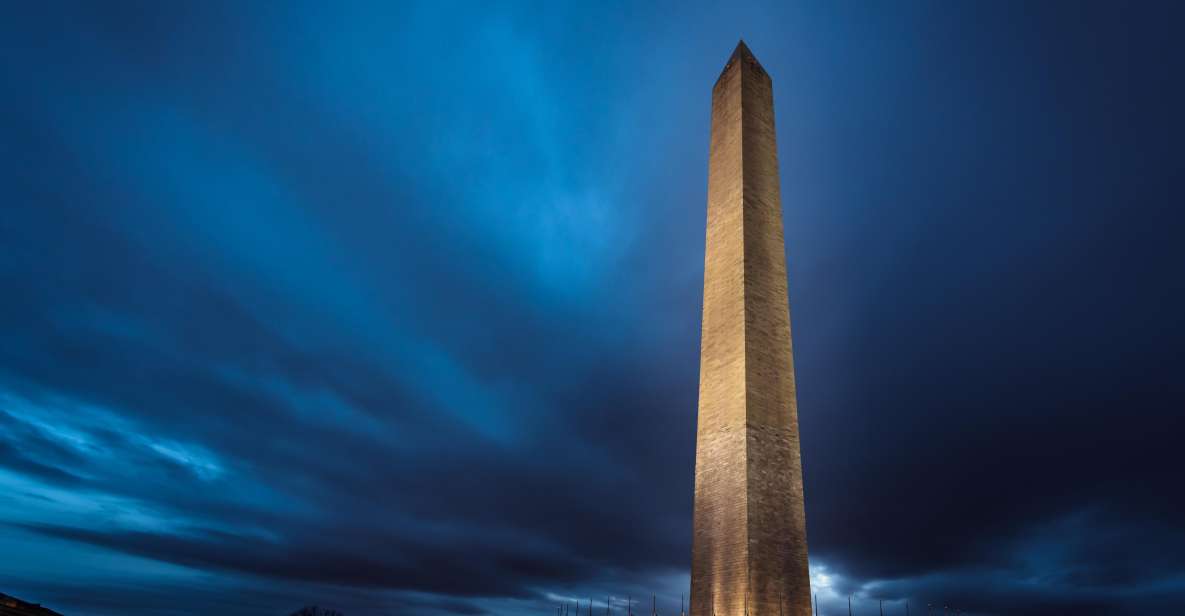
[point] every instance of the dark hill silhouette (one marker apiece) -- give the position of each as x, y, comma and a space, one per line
313, 610
11, 606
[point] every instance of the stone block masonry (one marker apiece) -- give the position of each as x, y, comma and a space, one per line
749, 554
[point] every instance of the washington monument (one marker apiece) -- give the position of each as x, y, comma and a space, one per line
749, 554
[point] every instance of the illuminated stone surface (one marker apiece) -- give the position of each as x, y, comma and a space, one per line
749, 547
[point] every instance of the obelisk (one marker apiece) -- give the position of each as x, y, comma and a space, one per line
749, 555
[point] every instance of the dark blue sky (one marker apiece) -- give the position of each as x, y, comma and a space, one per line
395, 308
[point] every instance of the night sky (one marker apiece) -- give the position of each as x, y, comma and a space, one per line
396, 308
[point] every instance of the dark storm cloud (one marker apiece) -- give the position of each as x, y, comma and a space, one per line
266, 365
398, 308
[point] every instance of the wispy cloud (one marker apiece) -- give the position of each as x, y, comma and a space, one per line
396, 308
